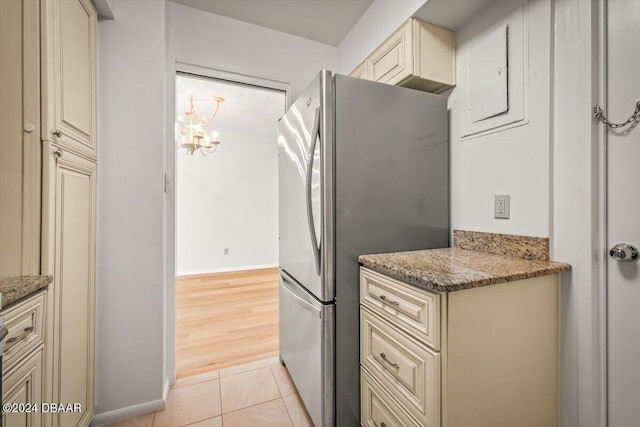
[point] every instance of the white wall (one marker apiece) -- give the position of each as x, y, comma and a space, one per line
130, 292
512, 161
229, 199
379, 21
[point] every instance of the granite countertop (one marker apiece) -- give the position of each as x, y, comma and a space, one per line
16, 288
455, 269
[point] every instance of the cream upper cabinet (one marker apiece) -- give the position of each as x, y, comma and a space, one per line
392, 62
20, 152
360, 71
71, 184
418, 55
68, 75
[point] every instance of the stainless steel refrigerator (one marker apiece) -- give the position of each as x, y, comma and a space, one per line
363, 168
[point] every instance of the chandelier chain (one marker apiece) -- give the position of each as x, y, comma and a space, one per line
202, 121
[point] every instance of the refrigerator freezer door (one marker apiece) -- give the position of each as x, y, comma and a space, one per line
306, 348
300, 191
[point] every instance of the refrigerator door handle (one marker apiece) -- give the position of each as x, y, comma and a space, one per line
288, 285
315, 135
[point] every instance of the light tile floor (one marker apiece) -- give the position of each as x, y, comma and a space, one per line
256, 394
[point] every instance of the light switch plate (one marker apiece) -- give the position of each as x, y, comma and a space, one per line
501, 206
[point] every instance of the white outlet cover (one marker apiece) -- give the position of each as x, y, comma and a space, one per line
501, 206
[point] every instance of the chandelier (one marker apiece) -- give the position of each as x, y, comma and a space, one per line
192, 131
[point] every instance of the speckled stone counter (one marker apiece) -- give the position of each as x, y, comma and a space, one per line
455, 269
16, 288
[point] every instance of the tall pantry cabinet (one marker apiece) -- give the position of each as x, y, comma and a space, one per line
69, 193
20, 148
49, 179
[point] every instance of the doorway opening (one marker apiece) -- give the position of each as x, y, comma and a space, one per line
226, 288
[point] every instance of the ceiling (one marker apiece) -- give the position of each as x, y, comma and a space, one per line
325, 21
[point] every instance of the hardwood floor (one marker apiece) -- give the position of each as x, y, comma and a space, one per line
225, 319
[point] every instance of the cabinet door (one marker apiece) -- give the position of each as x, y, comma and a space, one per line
23, 385
360, 71
20, 138
392, 62
71, 256
69, 75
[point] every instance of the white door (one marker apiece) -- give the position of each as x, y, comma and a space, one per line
623, 188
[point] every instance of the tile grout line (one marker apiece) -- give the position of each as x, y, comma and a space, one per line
255, 404
286, 408
250, 370
251, 406
281, 395
276, 381
220, 396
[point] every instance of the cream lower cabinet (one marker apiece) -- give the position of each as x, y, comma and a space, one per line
24, 386
70, 181
23, 361
481, 357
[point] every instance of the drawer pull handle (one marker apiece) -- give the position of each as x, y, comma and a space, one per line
393, 365
390, 301
22, 336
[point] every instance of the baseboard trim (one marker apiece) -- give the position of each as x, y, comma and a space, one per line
132, 411
224, 270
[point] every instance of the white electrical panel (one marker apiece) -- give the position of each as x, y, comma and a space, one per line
492, 81
487, 68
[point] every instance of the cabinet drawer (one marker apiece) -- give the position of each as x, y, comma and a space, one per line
378, 409
409, 370
25, 322
392, 61
414, 310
